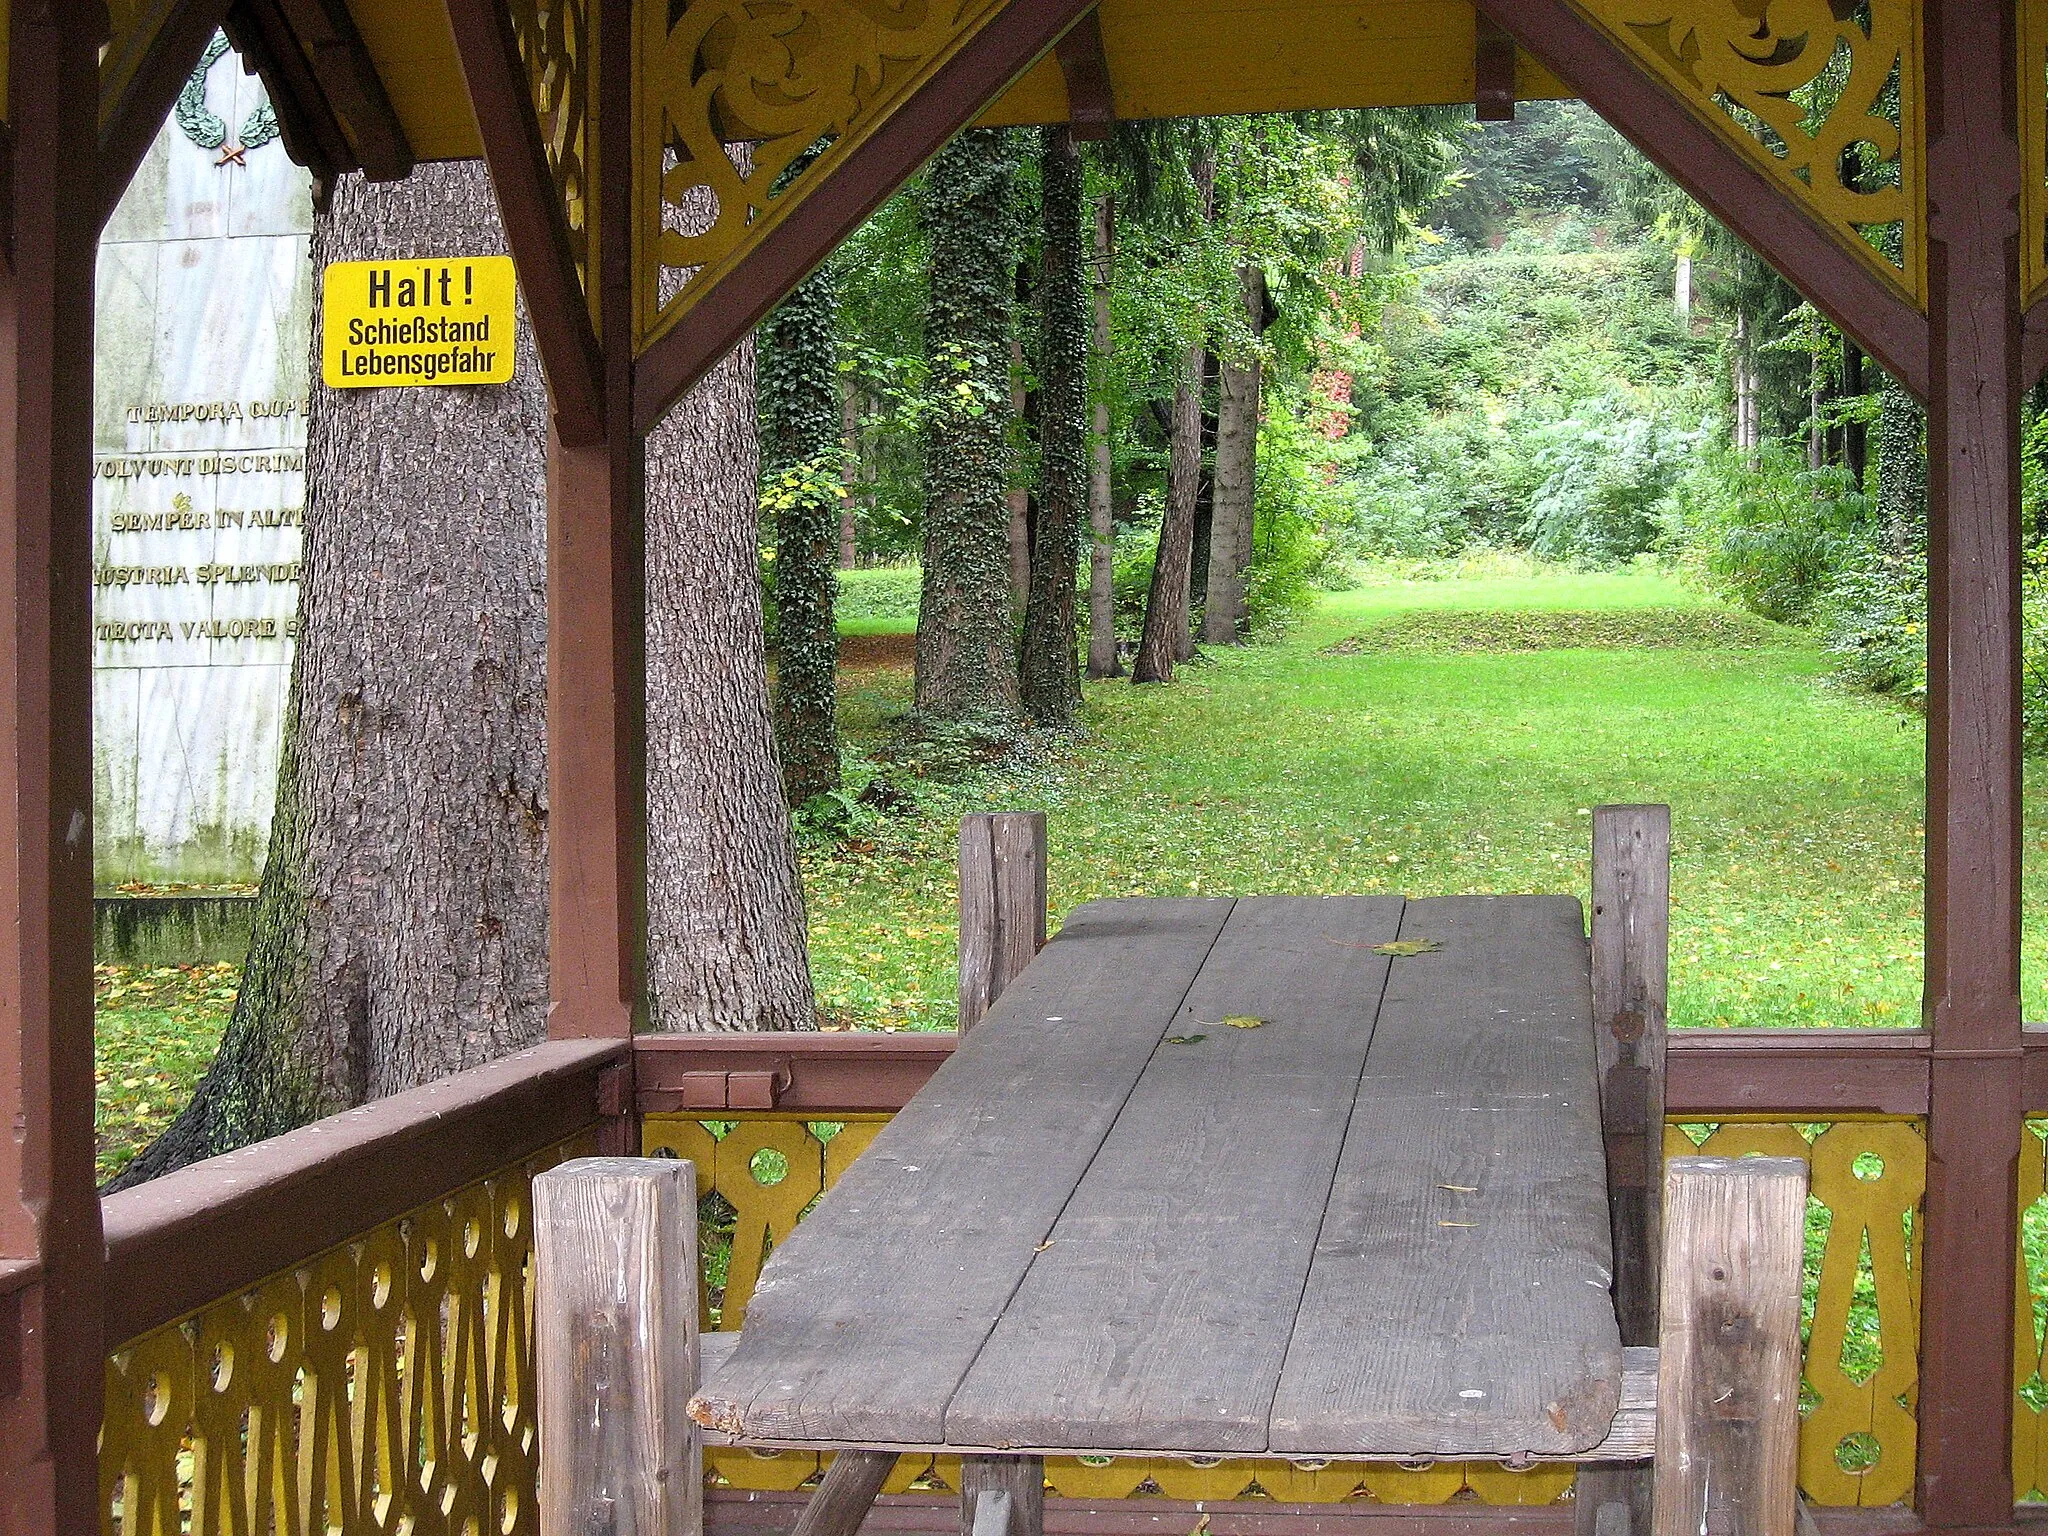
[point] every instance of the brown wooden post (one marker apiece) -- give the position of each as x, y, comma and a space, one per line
1009, 1488
49, 1210
597, 705
1728, 1364
1002, 905
1973, 764
1631, 967
615, 1347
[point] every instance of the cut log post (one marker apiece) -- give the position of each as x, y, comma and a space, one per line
1728, 1364
1631, 979
615, 1345
846, 1493
1002, 905
1002, 1496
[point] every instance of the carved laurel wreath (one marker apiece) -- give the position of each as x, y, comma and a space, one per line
203, 126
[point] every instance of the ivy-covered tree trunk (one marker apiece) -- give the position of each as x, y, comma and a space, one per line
1237, 470
1166, 601
725, 929
1103, 660
1048, 669
966, 644
1901, 471
801, 425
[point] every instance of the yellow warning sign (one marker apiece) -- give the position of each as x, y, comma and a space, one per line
447, 321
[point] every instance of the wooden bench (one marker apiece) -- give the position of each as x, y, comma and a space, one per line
1321, 1178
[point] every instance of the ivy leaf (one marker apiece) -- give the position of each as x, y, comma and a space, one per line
1407, 947
1184, 1039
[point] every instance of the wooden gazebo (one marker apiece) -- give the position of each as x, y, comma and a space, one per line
330, 1331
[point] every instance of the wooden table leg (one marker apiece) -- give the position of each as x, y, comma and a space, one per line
1019, 1479
846, 1494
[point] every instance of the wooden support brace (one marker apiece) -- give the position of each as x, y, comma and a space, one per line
1728, 1367
1493, 73
1091, 106
1631, 968
616, 1348
846, 1493
1002, 1496
1002, 905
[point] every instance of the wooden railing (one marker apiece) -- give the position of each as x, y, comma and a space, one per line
332, 1329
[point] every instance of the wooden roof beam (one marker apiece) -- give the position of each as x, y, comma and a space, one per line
1735, 190
831, 210
349, 79
140, 78
530, 203
1091, 106
1493, 72
312, 135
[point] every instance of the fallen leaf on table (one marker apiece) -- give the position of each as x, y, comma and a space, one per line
1243, 1021
1407, 947
1462, 1189
1184, 1039
1457, 1223
1045, 1245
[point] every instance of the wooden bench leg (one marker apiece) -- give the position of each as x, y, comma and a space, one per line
1010, 1490
1728, 1363
846, 1493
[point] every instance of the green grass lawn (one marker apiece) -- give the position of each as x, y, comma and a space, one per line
1380, 746
1283, 767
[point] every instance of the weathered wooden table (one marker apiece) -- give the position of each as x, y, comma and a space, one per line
1225, 1177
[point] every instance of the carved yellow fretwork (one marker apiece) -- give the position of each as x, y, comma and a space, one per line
2033, 91
780, 76
555, 45
1824, 94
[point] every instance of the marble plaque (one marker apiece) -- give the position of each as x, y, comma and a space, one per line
203, 342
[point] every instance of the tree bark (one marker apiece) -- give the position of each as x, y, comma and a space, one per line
402, 923
1049, 675
801, 422
1166, 601
1103, 660
1901, 471
966, 643
1237, 450
849, 452
401, 926
725, 943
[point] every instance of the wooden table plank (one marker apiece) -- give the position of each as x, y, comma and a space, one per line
1159, 1316
1458, 1301
868, 1316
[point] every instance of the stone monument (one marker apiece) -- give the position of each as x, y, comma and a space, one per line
204, 337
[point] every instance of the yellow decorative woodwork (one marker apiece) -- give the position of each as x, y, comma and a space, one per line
383, 1386
1857, 1436
1824, 96
2033, 93
781, 75
2030, 1363
555, 45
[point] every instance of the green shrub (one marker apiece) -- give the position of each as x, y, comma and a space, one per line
1774, 535
878, 601
1606, 471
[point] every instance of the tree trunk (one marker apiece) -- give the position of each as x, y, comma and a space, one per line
1901, 471
1166, 602
725, 943
849, 453
966, 644
1020, 493
801, 424
1237, 448
1049, 677
401, 930
1102, 656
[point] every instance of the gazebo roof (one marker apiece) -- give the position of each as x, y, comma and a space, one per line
1165, 58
